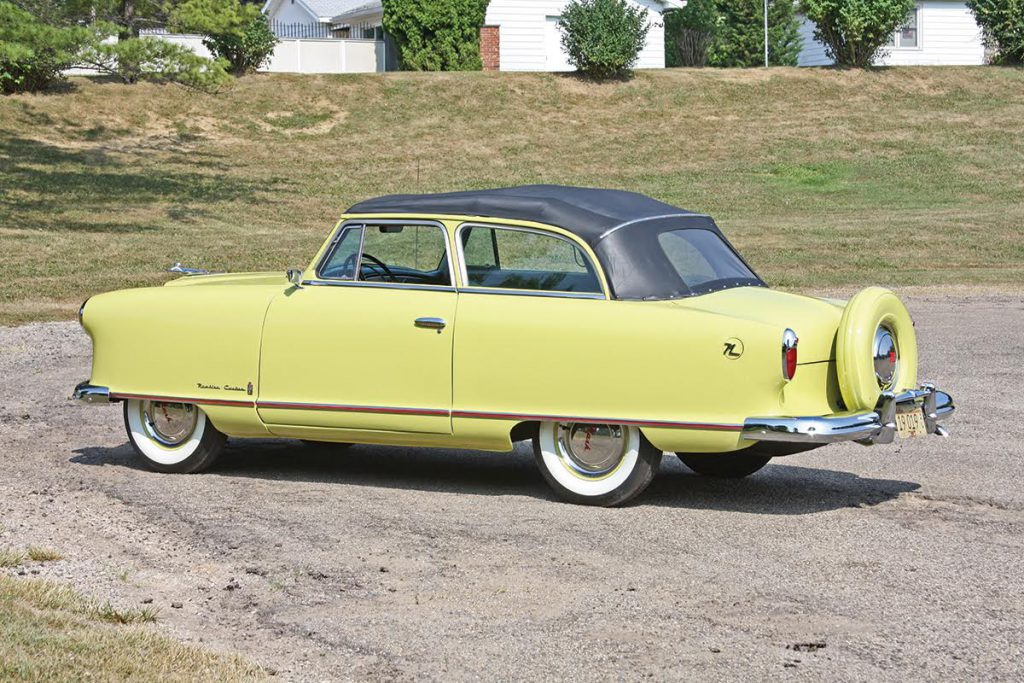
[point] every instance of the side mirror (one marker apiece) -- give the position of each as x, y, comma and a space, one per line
295, 277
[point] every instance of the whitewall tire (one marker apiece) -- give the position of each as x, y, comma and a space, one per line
172, 437
595, 464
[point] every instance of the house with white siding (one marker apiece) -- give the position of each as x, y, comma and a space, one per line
937, 32
518, 35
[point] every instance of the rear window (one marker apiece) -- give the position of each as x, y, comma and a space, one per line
703, 261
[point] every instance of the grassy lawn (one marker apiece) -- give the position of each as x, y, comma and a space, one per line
823, 178
50, 633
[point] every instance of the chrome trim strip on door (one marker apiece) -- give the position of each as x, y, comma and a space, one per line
532, 292
378, 285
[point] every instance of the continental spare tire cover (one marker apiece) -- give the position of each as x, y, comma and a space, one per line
865, 313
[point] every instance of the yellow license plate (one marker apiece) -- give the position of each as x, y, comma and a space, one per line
910, 424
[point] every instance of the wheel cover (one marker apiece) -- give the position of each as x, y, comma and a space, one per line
170, 424
591, 450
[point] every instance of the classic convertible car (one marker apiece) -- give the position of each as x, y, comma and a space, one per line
606, 326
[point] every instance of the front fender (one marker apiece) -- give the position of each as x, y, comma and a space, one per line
196, 343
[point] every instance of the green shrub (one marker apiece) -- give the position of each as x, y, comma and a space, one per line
603, 38
855, 32
1003, 24
33, 54
689, 33
147, 58
436, 35
235, 32
740, 38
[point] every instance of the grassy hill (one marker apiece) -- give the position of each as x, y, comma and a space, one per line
823, 178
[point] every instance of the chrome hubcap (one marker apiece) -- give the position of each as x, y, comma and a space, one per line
169, 423
886, 357
592, 449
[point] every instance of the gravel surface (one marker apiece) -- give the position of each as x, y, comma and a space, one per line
846, 563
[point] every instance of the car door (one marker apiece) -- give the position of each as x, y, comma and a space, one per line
367, 342
532, 310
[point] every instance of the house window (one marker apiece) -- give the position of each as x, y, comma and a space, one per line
909, 34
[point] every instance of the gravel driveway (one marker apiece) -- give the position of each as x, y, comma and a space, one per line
846, 563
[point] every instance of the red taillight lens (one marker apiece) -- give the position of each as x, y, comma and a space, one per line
789, 342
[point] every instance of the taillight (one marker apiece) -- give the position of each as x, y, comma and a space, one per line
789, 342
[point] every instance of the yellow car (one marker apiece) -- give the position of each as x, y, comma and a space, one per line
605, 326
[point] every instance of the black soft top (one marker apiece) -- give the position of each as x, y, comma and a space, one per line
585, 211
621, 227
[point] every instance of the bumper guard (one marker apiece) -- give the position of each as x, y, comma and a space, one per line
867, 427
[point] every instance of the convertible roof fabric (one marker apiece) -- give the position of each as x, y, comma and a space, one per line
621, 227
588, 212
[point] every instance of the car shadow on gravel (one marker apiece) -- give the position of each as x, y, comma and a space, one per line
779, 488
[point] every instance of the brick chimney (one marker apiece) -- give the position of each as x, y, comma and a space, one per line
490, 47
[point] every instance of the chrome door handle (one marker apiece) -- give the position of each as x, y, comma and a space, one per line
430, 323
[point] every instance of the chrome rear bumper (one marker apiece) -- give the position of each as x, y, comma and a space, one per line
90, 393
875, 426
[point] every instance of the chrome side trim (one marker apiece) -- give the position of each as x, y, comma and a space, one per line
685, 214
868, 427
533, 292
377, 285
90, 393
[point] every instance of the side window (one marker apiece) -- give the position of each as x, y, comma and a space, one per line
341, 264
409, 254
520, 259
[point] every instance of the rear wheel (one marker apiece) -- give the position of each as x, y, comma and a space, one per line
725, 465
595, 464
172, 437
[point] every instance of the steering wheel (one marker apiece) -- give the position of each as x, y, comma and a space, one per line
377, 262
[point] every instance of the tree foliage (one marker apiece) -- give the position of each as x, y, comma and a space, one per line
153, 59
740, 38
436, 35
603, 38
855, 32
731, 33
689, 33
235, 32
1003, 24
33, 54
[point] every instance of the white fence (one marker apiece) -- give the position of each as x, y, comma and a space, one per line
300, 55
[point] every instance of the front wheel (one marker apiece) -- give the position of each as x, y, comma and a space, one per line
172, 437
595, 464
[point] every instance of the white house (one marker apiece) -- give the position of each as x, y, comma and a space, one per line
518, 35
940, 32
528, 38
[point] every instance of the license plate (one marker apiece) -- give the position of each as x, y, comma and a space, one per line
910, 424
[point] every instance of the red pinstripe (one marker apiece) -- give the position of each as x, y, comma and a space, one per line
429, 412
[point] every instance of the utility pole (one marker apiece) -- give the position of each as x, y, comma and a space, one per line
766, 34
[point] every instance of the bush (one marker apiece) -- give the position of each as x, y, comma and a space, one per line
689, 33
247, 49
855, 32
32, 54
135, 59
603, 38
1003, 24
235, 32
740, 38
436, 35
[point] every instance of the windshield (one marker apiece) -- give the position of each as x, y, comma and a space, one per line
703, 261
